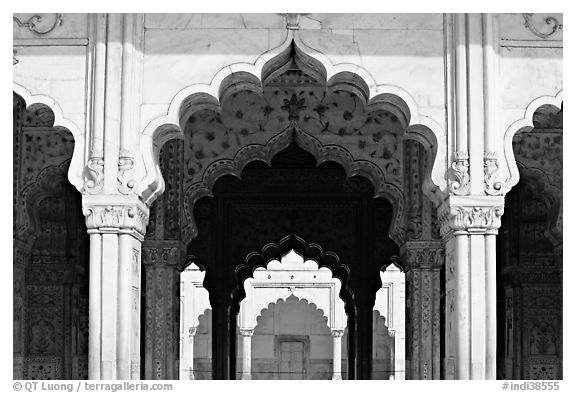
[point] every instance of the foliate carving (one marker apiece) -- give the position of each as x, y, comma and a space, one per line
554, 23
125, 169
36, 23
95, 174
458, 177
129, 217
491, 187
162, 256
337, 332
246, 332
14, 59
423, 255
463, 218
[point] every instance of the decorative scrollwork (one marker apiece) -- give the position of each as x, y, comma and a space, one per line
458, 176
125, 167
95, 169
490, 170
550, 20
35, 25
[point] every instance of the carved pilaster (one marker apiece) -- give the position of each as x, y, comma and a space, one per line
162, 261
423, 261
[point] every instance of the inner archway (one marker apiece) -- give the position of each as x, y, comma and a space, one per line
294, 195
304, 345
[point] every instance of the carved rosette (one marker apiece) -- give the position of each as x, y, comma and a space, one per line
467, 219
491, 187
125, 169
458, 176
129, 218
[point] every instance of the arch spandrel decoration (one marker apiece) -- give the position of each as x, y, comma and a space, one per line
337, 113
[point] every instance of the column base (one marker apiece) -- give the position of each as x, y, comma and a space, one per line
246, 377
337, 377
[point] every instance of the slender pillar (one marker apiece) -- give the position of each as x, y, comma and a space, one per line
423, 261
364, 340
246, 353
220, 338
116, 225
337, 353
187, 362
162, 265
469, 225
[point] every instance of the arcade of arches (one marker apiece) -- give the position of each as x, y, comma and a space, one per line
298, 217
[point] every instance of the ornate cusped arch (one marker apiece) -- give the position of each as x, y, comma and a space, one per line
76, 168
322, 153
308, 251
314, 306
525, 124
245, 77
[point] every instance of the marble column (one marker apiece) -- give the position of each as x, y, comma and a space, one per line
337, 353
162, 264
469, 225
246, 352
423, 261
116, 225
187, 362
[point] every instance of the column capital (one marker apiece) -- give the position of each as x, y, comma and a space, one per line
115, 214
337, 332
192, 331
473, 214
246, 332
162, 253
423, 254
